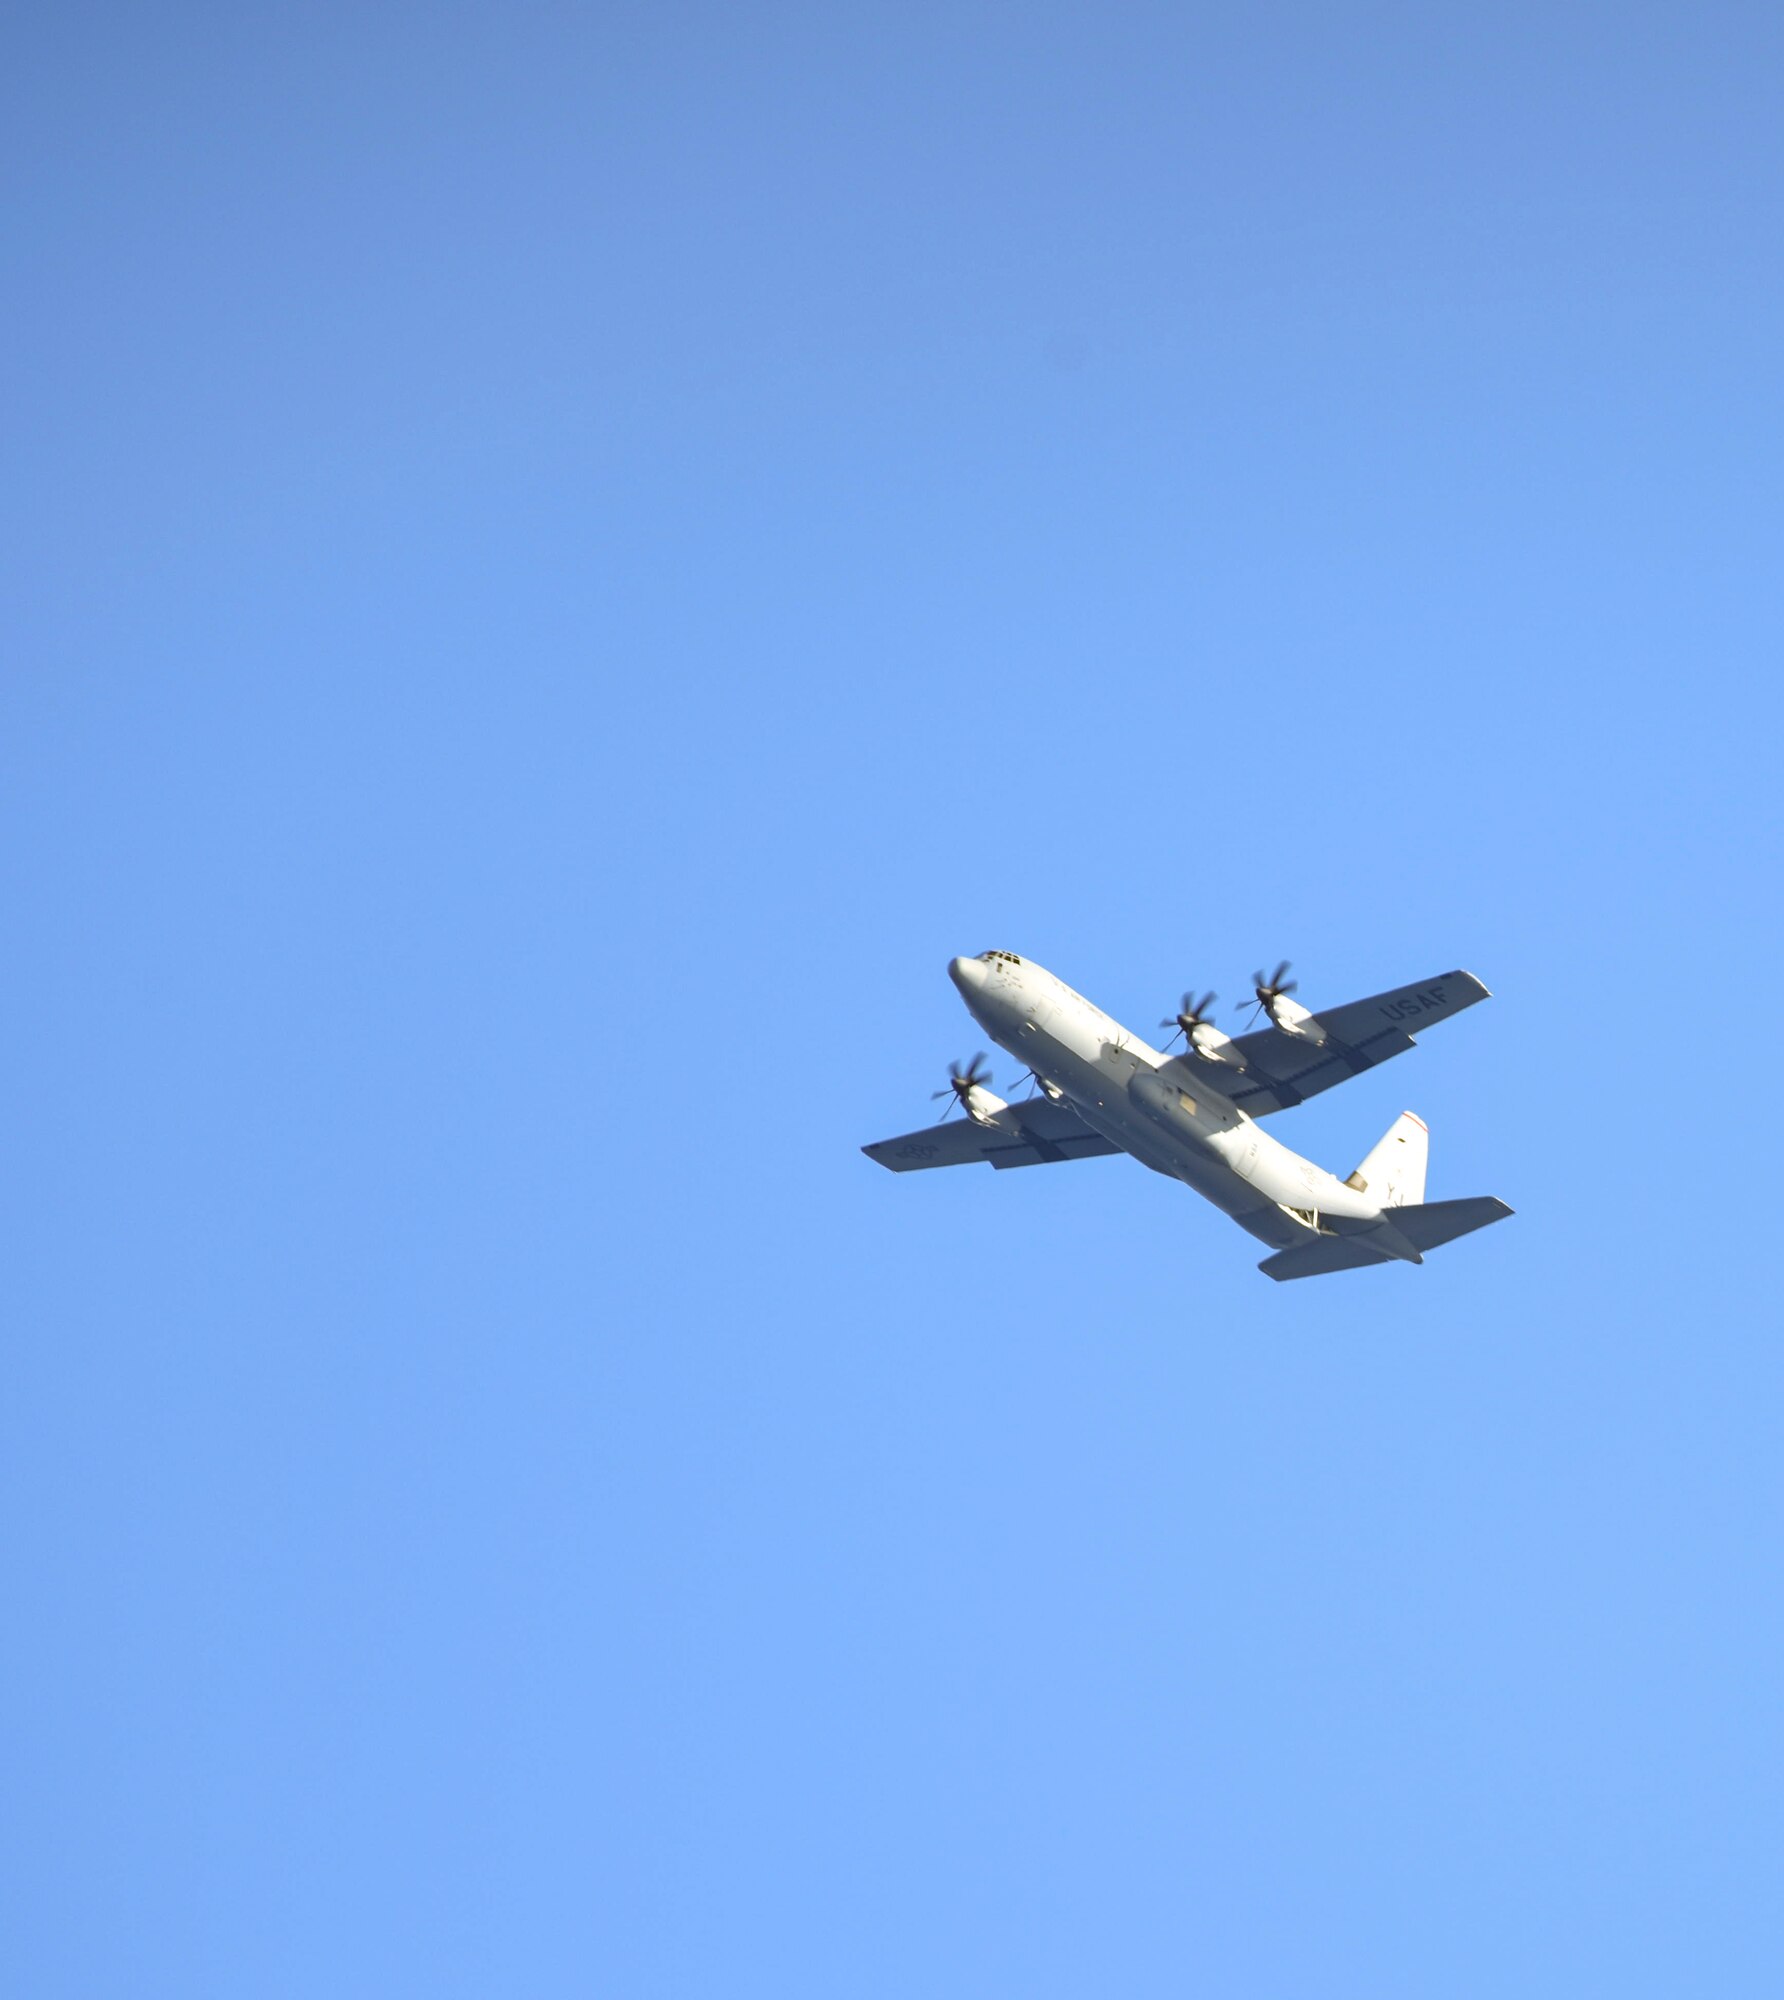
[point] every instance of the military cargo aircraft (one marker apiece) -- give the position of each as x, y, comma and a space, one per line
1194, 1116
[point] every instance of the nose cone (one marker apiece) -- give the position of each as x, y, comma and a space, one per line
968, 974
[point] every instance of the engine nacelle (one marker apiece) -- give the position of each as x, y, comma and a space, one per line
1212, 1046
1291, 1018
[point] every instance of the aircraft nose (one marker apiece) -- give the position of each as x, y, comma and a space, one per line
967, 973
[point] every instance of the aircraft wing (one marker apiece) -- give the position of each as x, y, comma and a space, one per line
1020, 1135
1281, 1070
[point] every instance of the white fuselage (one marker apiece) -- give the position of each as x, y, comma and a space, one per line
1168, 1113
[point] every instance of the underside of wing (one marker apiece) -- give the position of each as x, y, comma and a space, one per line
1283, 1069
1020, 1135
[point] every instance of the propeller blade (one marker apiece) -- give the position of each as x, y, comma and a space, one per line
963, 1080
1194, 1012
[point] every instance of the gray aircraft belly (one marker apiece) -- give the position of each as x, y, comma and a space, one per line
1100, 1098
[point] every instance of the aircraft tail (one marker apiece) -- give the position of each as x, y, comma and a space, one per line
1325, 1253
1432, 1223
1393, 1170
1425, 1225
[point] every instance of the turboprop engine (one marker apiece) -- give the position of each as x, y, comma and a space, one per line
1287, 1015
1195, 1024
967, 1086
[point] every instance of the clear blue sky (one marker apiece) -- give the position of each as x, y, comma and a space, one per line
559, 563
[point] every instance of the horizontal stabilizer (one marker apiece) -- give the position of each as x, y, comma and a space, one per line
1313, 1260
1435, 1222
1425, 1226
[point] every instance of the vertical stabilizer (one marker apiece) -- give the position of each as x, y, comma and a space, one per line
1393, 1173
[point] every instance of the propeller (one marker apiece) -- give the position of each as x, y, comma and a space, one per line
963, 1081
1194, 1015
1270, 989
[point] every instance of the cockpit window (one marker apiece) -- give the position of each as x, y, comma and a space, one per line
1000, 957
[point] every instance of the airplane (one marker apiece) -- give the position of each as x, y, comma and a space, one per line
1194, 1116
